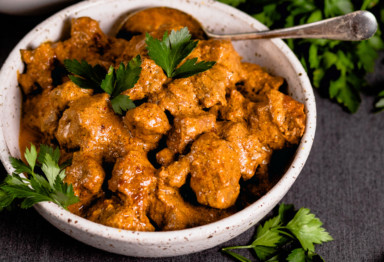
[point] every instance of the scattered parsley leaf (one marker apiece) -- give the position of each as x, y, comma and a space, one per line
37, 188
297, 255
172, 50
278, 238
236, 256
307, 229
113, 82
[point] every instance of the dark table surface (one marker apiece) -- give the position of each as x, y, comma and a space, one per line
342, 183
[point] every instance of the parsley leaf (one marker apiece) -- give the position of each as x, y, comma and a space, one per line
37, 188
172, 50
88, 76
122, 103
113, 82
307, 229
190, 68
281, 234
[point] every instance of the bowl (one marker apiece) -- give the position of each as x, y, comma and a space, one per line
273, 55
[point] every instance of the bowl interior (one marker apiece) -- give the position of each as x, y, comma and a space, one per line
273, 55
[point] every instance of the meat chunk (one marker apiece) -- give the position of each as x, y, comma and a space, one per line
40, 63
151, 80
113, 213
91, 125
86, 176
169, 210
278, 121
164, 157
87, 42
175, 174
210, 86
42, 111
250, 151
215, 171
134, 177
187, 128
134, 181
178, 98
288, 115
184, 96
237, 109
256, 82
147, 122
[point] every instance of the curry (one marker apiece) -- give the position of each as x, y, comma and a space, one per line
191, 150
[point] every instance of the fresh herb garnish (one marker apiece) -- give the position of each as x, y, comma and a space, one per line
337, 68
88, 77
289, 236
172, 50
113, 82
37, 188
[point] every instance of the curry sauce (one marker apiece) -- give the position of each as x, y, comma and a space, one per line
183, 156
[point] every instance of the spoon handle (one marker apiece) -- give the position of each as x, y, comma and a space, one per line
355, 26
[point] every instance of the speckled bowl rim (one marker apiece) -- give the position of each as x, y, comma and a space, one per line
258, 209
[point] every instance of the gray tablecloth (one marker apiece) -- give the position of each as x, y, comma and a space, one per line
342, 183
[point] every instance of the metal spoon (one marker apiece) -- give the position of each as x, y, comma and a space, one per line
355, 26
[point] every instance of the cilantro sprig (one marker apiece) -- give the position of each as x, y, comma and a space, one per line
37, 188
337, 68
289, 236
172, 50
113, 82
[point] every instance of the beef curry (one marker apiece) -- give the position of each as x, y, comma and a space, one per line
191, 150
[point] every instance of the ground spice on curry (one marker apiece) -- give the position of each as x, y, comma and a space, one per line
181, 157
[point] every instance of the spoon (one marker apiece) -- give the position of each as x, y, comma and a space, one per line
355, 26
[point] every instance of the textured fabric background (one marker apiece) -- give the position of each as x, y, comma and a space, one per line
342, 183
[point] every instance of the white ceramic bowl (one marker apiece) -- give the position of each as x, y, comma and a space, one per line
274, 55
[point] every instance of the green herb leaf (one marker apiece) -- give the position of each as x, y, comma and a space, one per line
114, 82
277, 237
172, 50
108, 83
127, 76
19, 166
236, 256
88, 76
190, 68
297, 255
308, 229
122, 103
264, 253
37, 188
